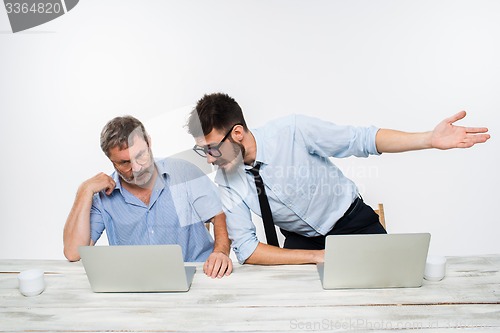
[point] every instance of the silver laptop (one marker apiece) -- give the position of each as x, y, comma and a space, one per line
374, 261
136, 268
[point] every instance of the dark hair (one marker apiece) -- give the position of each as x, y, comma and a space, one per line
215, 111
118, 133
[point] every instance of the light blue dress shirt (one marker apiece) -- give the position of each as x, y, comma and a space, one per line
183, 198
307, 193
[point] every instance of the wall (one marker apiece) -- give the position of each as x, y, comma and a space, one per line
395, 64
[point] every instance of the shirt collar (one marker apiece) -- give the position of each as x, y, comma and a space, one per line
163, 168
262, 154
117, 180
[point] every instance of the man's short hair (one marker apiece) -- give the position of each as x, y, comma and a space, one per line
120, 131
215, 111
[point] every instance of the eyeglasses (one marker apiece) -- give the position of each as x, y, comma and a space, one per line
142, 159
213, 150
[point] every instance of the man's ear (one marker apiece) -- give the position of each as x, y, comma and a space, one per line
238, 133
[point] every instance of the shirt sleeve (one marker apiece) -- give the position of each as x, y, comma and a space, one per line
96, 219
327, 139
240, 227
205, 198
203, 193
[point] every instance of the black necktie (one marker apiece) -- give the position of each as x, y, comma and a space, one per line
267, 217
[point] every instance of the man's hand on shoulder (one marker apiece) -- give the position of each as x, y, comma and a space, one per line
217, 265
98, 183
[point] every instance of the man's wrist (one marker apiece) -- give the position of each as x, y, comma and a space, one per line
318, 256
225, 252
85, 191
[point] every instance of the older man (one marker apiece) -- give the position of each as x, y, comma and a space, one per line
148, 202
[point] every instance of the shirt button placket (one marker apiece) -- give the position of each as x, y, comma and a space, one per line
149, 224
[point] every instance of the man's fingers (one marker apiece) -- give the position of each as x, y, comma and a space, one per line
226, 268
229, 269
456, 117
211, 266
476, 129
222, 269
479, 138
110, 187
471, 140
101, 182
216, 267
208, 267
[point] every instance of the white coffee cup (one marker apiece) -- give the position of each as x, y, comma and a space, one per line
31, 282
435, 268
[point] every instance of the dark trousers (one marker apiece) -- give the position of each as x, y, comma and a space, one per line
359, 219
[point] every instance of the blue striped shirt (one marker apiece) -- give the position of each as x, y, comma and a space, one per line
306, 191
182, 199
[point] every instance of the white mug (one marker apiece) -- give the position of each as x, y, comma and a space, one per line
31, 282
435, 268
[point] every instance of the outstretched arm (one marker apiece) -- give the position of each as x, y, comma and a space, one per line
77, 227
445, 135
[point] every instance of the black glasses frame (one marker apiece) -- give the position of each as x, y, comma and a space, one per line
213, 150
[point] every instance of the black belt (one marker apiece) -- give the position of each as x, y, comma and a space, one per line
353, 208
355, 204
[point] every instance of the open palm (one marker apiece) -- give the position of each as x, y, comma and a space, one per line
446, 135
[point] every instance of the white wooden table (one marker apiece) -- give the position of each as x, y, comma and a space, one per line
255, 299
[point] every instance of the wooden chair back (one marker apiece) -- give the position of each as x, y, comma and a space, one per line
381, 214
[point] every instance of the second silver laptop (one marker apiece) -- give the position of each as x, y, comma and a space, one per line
374, 261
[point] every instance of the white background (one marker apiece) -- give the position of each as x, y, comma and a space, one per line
395, 64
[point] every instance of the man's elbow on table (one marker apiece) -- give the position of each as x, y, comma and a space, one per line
71, 254
71, 251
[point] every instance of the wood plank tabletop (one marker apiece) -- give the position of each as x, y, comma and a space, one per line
286, 298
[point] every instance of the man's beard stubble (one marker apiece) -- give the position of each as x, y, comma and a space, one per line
239, 156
